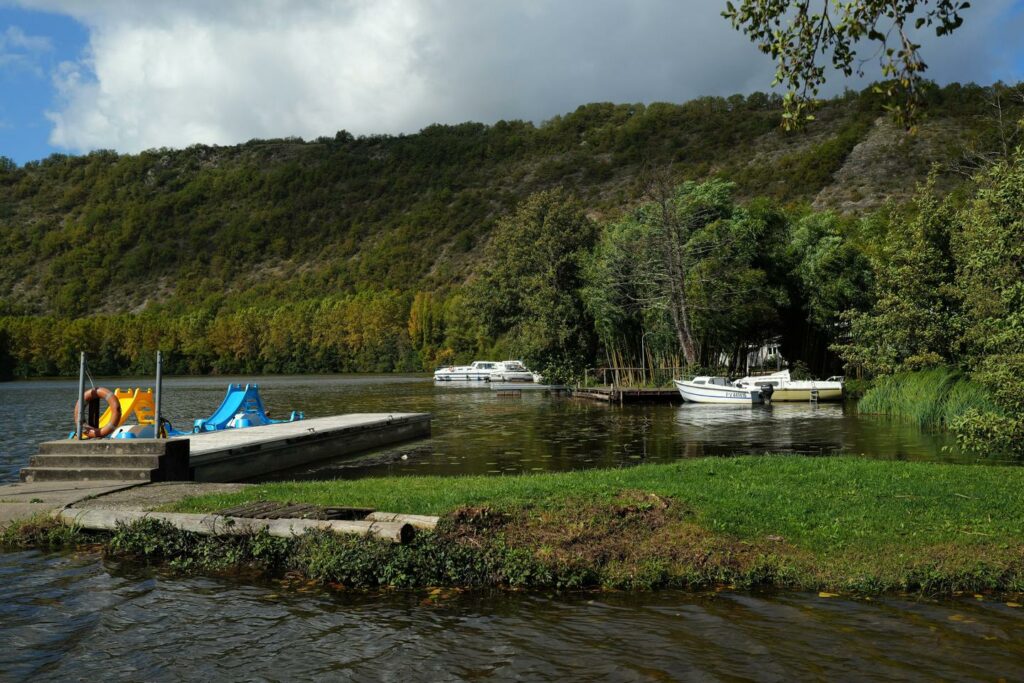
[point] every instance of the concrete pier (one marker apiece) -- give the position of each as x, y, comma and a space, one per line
230, 455
239, 454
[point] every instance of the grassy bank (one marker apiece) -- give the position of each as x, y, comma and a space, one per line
814, 523
841, 524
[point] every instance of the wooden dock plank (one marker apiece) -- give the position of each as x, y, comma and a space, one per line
627, 395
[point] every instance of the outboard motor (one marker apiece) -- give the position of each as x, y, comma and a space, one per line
766, 392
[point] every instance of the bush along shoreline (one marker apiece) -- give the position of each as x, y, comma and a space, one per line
835, 524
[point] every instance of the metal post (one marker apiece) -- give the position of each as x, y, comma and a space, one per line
156, 400
81, 397
643, 358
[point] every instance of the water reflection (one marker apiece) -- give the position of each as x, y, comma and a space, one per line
478, 432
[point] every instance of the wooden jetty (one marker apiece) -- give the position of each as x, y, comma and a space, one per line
223, 456
623, 395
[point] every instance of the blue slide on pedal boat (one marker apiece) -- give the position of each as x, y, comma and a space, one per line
241, 407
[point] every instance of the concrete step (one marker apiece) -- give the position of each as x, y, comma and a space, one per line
90, 461
107, 446
30, 474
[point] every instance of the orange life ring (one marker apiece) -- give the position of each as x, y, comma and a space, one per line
94, 431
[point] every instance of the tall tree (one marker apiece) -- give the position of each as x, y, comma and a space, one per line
685, 261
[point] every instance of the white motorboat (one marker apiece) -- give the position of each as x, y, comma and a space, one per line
718, 390
511, 371
784, 388
478, 371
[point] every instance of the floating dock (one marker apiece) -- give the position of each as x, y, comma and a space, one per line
238, 454
228, 455
622, 396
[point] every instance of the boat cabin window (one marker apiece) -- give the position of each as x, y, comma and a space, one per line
720, 381
699, 381
767, 384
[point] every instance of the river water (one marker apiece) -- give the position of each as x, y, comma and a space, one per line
78, 616
476, 432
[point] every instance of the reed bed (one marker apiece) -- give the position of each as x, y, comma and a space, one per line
927, 398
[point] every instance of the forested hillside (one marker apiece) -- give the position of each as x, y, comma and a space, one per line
351, 253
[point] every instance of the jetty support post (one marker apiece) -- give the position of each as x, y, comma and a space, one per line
156, 399
80, 401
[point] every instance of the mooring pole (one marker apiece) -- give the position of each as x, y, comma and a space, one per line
156, 400
81, 400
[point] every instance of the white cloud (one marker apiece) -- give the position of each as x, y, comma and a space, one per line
20, 51
15, 38
177, 73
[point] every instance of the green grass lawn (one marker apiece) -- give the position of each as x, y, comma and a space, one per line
826, 523
828, 506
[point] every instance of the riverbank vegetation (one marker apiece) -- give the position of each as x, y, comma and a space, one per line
644, 237
347, 253
841, 524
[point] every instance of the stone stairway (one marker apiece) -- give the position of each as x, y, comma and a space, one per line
143, 460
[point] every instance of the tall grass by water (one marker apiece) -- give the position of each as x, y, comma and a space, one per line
928, 398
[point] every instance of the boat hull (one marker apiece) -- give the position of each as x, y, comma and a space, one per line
718, 395
462, 377
511, 376
785, 395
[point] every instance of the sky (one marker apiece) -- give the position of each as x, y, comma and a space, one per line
129, 75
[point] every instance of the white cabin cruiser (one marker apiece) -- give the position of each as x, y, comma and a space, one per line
511, 371
718, 390
783, 388
478, 371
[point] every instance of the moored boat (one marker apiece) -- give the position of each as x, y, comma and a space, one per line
717, 390
478, 371
511, 371
784, 388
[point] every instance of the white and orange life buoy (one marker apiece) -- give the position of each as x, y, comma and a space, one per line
94, 431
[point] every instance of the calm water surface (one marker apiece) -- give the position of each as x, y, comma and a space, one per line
77, 616
476, 432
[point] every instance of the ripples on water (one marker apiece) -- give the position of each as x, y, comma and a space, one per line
475, 432
75, 617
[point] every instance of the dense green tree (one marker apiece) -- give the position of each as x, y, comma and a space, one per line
528, 288
833, 273
683, 267
989, 250
912, 322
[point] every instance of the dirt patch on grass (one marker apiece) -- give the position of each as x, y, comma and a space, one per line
637, 539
